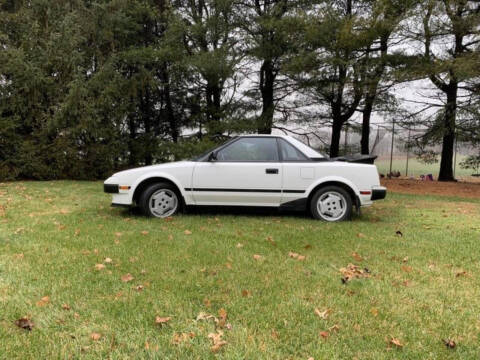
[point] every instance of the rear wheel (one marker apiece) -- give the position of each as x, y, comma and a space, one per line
331, 203
160, 200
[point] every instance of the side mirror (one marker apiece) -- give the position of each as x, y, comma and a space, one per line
212, 156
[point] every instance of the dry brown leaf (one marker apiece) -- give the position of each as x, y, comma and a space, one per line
357, 256
66, 307
352, 272
95, 336
99, 267
396, 342
139, 288
322, 314
324, 334
217, 341
407, 268
271, 241
246, 293
257, 257
228, 266
274, 334
25, 323
162, 320
360, 235
374, 311
107, 260
128, 277
187, 232
293, 255
239, 245
43, 301
207, 302
449, 343
222, 317
118, 234
301, 257
204, 316
144, 232
461, 273
179, 338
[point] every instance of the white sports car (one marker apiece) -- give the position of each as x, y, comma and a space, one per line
253, 170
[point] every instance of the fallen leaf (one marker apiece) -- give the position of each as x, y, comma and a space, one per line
398, 233
324, 334
179, 338
374, 311
449, 343
407, 268
271, 241
187, 232
66, 307
301, 257
228, 266
246, 293
274, 334
405, 259
99, 267
308, 246
461, 273
322, 314
108, 260
239, 245
162, 320
43, 301
352, 272
257, 257
118, 234
217, 341
139, 287
222, 318
396, 342
207, 302
204, 316
144, 232
357, 256
360, 235
25, 323
128, 277
95, 336
293, 255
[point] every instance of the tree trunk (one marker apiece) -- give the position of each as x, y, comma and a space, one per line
267, 80
367, 113
446, 162
213, 94
335, 140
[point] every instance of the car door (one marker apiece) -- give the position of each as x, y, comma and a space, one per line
246, 172
298, 172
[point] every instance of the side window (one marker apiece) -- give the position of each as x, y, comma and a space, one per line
250, 149
290, 153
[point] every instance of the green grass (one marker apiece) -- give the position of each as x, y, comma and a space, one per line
53, 233
416, 168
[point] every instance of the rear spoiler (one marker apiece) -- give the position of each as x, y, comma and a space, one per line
356, 158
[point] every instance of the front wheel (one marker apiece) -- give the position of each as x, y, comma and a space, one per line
331, 203
160, 200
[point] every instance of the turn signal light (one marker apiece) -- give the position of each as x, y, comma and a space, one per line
124, 187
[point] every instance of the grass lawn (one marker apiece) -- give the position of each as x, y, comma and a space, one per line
422, 287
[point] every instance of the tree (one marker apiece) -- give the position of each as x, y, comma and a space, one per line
266, 25
455, 24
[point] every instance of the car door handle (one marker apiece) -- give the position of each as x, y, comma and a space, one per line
271, 171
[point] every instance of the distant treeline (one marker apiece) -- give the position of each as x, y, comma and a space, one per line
88, 87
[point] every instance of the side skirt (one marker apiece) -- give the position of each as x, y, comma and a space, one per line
295, 205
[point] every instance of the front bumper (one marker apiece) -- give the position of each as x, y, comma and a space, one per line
110, 188
378, 193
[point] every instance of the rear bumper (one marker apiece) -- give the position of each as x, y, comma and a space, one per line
378, 193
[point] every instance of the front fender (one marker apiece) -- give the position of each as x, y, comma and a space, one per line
156, 174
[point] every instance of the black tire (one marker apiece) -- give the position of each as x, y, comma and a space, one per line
144, 199
345, 200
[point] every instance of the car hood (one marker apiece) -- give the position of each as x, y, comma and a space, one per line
150, 168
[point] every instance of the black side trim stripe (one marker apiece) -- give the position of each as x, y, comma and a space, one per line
246, 190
